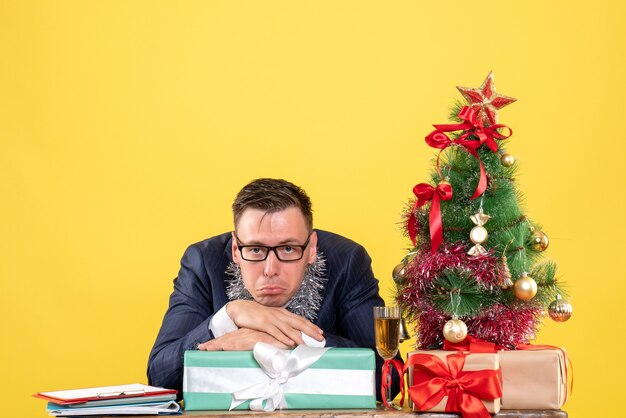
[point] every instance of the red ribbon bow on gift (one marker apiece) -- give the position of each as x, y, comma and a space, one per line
473, 125
386, 379
433, 380
426, 193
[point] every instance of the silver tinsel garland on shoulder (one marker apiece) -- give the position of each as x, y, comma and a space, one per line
307, 300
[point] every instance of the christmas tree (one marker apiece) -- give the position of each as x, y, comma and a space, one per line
476, 263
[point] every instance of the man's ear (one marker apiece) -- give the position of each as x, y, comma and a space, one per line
312, 248
234, 248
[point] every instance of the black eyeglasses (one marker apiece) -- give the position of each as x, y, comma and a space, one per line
288, 252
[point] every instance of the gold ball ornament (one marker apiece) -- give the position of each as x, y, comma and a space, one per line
507, 160
525, 287
560, 310
399, 273
538, 240
455, 331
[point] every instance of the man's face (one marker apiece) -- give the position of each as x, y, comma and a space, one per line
273, 282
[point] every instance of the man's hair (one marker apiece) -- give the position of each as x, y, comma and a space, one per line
272, 195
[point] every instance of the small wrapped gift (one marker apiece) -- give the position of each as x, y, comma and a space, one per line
534, 378
444, 381
268, 378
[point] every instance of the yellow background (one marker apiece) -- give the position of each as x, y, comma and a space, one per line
126, 128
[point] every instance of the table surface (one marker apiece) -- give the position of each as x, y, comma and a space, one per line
368, 413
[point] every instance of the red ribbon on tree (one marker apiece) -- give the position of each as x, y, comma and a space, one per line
472, 125
433, 380
386, 375
426, 193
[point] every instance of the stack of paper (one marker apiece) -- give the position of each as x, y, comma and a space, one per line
134, 399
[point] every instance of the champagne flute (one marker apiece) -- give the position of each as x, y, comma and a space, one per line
387, 331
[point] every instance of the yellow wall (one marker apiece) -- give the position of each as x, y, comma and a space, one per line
126, 129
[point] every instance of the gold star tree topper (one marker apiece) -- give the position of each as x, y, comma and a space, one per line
486, 99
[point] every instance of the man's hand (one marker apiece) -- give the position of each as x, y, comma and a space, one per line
240, 340
279, 323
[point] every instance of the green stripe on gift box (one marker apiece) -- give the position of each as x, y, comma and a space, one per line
339, 359
221, 401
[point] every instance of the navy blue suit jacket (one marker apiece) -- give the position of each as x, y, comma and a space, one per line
345, 315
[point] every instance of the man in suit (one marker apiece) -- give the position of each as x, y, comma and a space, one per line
273, 279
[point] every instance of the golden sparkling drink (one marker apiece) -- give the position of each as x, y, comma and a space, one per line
387, 336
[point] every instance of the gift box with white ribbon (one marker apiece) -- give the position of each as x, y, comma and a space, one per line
268, 379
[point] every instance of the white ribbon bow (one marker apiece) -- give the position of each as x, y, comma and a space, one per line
279, 365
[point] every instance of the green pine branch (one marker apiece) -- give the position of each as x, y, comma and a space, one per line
471, 296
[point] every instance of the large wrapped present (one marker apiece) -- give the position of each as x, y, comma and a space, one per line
534, 378
445, 381
268, 378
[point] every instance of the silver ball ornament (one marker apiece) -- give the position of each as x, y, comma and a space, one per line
399, 273
560, 310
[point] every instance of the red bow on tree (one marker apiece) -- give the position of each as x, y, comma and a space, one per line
473, 125
426, 193
433, 380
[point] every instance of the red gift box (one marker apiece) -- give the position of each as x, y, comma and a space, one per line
444, 381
